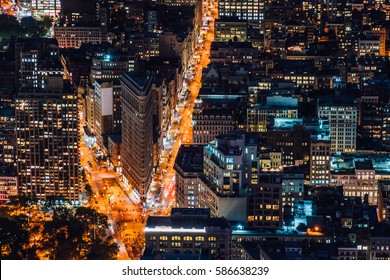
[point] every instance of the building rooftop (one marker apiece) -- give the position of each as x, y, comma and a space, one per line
185, 219
346, 163
63, 88
150, 255
288, 250
227, 45
318, 128
228, 144
339, 100
189, 159
364, 165
217, 112
140, 81
230, 19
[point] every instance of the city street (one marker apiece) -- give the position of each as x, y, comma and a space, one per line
125, 215
161, 196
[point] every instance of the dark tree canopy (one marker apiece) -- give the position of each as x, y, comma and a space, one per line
13, 239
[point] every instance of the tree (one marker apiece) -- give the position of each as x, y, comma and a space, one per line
47, 22
9, 26
31, 26
13, 239
88, 191
103, 250
81, 234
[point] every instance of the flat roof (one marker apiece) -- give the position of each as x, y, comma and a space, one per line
190, 158
185, 220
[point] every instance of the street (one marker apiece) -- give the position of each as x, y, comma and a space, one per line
125, 214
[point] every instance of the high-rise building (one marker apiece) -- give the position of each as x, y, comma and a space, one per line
137, 130
106, 67
385, 112
84, 12
109, 66
342, 116
227, 162
265, 201
107, 110
35, 61
45, 7
188, 166
81, 22
7, 140
251, 11
320, 163
29, 69
292, 185
320, 155
47, 143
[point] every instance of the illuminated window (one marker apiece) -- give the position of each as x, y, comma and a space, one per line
163, 237
176, 238
187, 238
212, 238
199, 238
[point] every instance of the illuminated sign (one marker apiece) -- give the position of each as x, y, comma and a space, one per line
170, 229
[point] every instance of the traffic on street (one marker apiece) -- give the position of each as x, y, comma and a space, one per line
126, 213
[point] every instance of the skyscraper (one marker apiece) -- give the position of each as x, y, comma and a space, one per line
106, 110
137, 130
47, 143
341, 113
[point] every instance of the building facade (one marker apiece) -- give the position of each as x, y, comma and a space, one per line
188, 166
188, 232
251, 11
342, 117
210, 122
107, 110
74, 36
47, 144
230, 29
137, 131
265, 201
45, 7
7, 140
320, 163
